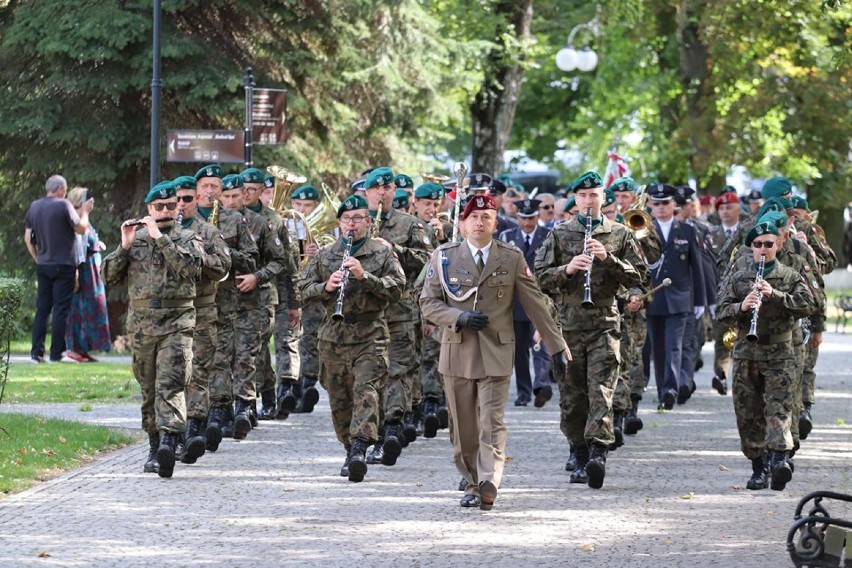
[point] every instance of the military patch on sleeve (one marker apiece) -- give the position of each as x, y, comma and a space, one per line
227, 251
426, 239
277, 241
431, 273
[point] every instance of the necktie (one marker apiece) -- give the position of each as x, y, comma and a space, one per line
528, 243
480, 263
728, 232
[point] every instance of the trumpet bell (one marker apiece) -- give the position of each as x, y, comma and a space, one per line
283, 174
638, 221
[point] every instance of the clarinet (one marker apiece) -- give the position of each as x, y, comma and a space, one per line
752, 337
587, 283
338, 309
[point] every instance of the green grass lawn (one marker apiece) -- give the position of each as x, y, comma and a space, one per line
65, 382
34, 449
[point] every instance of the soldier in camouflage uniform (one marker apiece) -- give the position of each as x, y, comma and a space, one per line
353, 348
592, 333
763, 385
160, 263
406, 236
244, 254
217, 264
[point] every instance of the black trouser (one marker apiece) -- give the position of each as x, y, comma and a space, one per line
55, 290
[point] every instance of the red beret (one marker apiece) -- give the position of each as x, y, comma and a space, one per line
706, 200
727, 197
477, 203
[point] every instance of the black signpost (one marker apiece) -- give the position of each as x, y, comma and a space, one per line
210, 146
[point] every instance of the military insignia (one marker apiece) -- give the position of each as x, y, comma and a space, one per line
758, 229
401, 183
478, 178
431, 273
526, 204
480, 202
227, 251
587, 182
302, 195
163, 194
277, 241
209, 172
349, 205
453, 280
500, 293
426, 239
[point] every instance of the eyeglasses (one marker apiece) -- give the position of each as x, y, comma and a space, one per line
545, 206
354, 219
160, 206
763, 244
185, 199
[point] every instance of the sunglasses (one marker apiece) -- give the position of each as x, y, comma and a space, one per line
160, 206
186, 198
762, 244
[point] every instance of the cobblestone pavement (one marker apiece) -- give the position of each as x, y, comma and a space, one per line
674, 496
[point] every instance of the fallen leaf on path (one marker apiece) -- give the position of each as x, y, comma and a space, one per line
508, 459
44, 554
688, 496
668, 541
722, 468
588, 547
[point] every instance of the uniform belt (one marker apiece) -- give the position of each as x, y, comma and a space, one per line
775, 338
573, 301
363, 317
204, 301
162, 303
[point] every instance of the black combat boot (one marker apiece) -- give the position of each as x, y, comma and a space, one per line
213, 433
228, 421
617, 429
632, 422
581, 455
431, 422
344, 471
759, 474
443, 413
310, 395
805, 422
357, 462
417, 419
596, 468
720, 383
392, 446
166, 453
195, 443
251, 411
780, 468
571, 464
375, 456
286, 400
242, 422
409, 428
268, 409
151, 464
180, 445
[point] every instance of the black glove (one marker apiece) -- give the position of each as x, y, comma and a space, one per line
473, 320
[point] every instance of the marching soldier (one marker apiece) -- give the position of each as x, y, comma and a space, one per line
357, 282
160, 264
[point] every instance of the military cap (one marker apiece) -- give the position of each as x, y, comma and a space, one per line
619, 218
163, 190
660, 191
402, 180
608, 198
479, 182
366, 172
211, 171
351, 203
777, 217
497, 187
775, 204
429, 190
761, 228
269, 181
379, 176
727, 197
728, 189
570, 203
252, 175
306, 192
184, 182
754, 195
232, 181
588, 180
625, 183
358, 184
527, 207
777, 186
507, 180
400, 199
799, 203
479, 203
705, 199
683, 194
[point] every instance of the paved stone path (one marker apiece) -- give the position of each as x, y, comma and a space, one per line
674, 496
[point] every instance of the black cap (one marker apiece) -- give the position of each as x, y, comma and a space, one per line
660, 191
479, 182
683, 194
527, 207
754, 195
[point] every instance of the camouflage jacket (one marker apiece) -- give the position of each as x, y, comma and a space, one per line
272, 260
241, 245
285, 281
161, 276
217, 257
412, 245
826, 258
791, 299
364, 301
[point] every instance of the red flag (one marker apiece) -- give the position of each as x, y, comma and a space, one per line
616, 167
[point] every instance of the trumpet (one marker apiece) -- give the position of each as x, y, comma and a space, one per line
434, 178
752, 336
587, 283
460, 169
374, 228
338, 309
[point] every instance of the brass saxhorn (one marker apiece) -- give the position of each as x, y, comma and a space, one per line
284, 180
434, 178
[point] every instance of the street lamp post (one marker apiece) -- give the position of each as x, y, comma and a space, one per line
156, 94
568, 58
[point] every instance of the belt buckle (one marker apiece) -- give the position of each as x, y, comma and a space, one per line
156, 303
350, 317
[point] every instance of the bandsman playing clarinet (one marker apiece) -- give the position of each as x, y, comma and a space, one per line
354, 279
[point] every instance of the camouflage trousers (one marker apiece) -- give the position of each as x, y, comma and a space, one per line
162, 365
354, 376
636, 326
797, 385
763, 402
250, 327
286, 346
585, 394
203, 351
621, 395
414, 381
312, 316
265, 375
721, 354
222, 377
808, 376
432, 383
402, 364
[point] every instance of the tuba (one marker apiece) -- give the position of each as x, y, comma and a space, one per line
284, 180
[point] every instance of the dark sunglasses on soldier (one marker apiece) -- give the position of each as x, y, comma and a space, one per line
762, 244
186, 198
160, 206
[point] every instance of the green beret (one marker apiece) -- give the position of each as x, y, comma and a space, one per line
588, 180
625, 183
800, 203
350, 203
402, 180
211, 171
184, 182
761, 228
429, 190
609, 198
619, 218
232, 181
728, 189
306, 192
379, 176
269, 181
777, 218
163, 190
252, 175
507, 179
776, 187
774, 204
400, 199
572, 201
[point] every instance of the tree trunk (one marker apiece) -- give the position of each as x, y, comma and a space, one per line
493, 108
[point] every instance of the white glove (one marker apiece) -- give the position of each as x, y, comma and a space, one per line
698, 311
712, 309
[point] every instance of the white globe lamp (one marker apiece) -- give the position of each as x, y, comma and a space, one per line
567, 59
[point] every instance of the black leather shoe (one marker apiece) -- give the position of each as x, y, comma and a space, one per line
759, 474
543, 395
596, 468
213, 432
782, 473
375, 456
310, 398
805, 423
720, 385
286, 401
463, 484
579, 476
571, 464
683, 394
487, 495
242, 422
357, 465
195, 442
668, 400
470, 501
166, 454
443, 416
522, 401
392, 446
344, 471
151, 465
